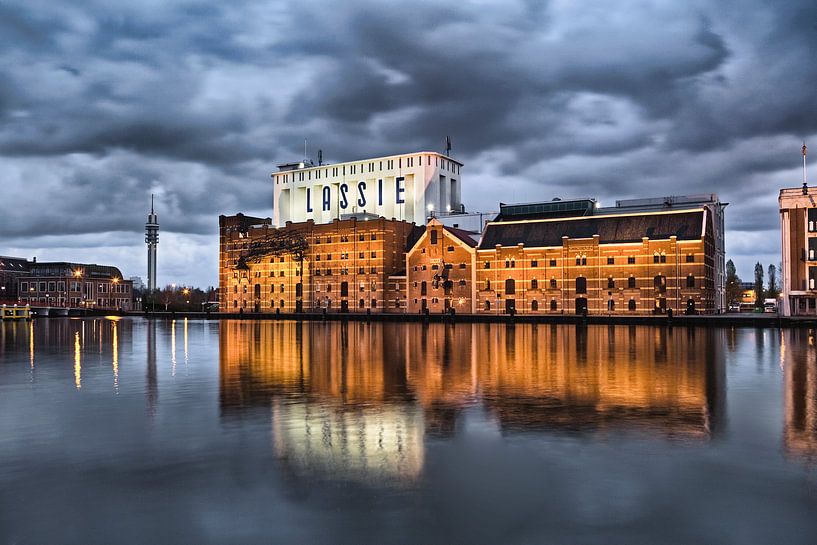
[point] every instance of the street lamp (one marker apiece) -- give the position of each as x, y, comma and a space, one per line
115, 281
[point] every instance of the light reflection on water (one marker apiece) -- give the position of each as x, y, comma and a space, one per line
404, 433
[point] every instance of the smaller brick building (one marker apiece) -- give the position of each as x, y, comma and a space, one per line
440, 270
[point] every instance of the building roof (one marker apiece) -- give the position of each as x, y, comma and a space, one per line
64, 268
556, 208
13, 264
611, 229
463, 235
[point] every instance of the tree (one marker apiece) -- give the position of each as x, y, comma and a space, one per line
774, 289
759, 285
733, 290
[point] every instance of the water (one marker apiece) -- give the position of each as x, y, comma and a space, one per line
129, 431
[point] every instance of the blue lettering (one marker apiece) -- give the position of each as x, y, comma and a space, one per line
399, 190
361, 187
327, 198
380, 192
309, 199
344, 201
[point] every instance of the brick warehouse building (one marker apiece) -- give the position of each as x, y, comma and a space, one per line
562, 257
440, 270
624, 263
348, 265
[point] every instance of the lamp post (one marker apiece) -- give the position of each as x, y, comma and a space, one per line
115, 281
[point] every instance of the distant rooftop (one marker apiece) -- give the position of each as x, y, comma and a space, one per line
556, 208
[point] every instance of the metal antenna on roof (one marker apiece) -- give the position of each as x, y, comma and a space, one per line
448, 146
805, 181
320, 157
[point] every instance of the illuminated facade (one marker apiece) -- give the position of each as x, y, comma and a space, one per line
75, 285
641, 262
440, 270
406, 187
798, 222
347, 265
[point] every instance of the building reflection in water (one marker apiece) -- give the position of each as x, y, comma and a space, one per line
798, 356
360, 401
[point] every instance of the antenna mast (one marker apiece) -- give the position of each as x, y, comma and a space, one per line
805, 181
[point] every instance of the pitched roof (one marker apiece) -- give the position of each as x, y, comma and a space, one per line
611, 229
463, 235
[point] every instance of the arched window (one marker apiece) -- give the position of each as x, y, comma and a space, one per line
584, 260
257, 291
581, 284
611, 283
487, 304
690, 281
534, 284
578, 260
553, 305
631, 305
488, 285
660, 283
655, 257
344, 289
631, 282
510, 286
553, 283
534, 305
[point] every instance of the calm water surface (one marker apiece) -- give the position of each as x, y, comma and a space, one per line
129, 431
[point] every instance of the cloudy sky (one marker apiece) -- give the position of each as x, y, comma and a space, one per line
103, 103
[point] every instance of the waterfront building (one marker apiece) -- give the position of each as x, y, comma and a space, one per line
440, 270
63, 284
798, 229
11, 269
349, 265
566, 257
407, 187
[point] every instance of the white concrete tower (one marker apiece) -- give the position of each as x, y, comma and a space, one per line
152, 240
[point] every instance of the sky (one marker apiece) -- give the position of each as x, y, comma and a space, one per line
103, 103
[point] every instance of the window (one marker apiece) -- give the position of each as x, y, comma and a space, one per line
611, 283
690, 281
534, 305
631, 260
513, 264
553, 283
507, 264
553, 305
462, 283
434, 236
361, 255
581, 284
631, 305
487, 264
487, 304
690, 258
510, 286
552, 262
344, 289
488, 285
462, 265
23, 286
374, 303
578, 260
611, 260
534, 284
272, 288
450, 249
631, 282
663, 257
374, 254
656, 258
660, 283
423, 288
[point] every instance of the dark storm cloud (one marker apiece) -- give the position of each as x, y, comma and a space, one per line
103, 103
